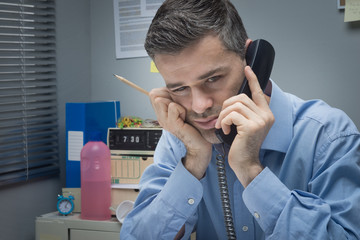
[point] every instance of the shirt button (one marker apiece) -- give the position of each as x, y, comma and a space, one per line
191, 201
245, 228
256, 215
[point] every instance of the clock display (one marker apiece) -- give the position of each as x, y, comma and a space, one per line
65, 205
132, 139
141, 139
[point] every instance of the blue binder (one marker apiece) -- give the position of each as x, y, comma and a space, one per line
81, 120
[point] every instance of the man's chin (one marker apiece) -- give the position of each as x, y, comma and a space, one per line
210, 135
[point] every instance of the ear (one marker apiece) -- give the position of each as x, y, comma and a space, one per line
247, 43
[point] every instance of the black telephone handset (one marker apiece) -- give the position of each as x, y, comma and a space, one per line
259, 56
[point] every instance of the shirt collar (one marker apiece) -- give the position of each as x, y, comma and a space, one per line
281, 132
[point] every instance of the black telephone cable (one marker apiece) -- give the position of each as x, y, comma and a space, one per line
224, 195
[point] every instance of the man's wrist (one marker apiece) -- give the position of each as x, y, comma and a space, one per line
248, 173
195, 166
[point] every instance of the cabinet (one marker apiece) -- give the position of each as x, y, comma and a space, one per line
52, 226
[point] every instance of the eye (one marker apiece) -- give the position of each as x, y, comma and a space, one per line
179, 90
213, 79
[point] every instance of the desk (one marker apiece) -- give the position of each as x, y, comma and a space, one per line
52, 226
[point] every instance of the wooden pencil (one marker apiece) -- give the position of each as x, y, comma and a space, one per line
131, 84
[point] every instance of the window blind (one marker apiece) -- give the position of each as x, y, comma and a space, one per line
28, 100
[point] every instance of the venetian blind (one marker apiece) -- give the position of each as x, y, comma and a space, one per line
28, 101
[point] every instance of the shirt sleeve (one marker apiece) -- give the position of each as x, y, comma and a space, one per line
326, 211
168, 199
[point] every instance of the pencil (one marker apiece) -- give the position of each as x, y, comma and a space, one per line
131, 84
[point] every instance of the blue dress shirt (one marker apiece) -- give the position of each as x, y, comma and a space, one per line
309, 189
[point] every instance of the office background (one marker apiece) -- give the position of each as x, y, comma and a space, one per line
317, 56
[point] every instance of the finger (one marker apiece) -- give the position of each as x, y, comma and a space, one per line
257, 94
232, 118
240, 103
160, 106
159, 92
160, 100
229, 102
175, 113
237, 113
238, 107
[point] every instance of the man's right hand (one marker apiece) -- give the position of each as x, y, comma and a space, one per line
171, 117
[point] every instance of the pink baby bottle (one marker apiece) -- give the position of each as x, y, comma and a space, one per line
95, 167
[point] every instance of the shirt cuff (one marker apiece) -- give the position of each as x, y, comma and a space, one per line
182, 191
266, 197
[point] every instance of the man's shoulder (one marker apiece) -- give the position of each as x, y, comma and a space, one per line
318, 113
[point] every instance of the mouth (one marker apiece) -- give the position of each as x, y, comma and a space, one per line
206, 123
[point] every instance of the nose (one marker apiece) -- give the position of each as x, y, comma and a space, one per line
201, 101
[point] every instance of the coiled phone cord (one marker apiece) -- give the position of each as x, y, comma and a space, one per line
224, 194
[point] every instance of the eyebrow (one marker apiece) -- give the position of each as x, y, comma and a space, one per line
204, 76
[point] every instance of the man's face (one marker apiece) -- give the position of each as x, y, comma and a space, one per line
200, 78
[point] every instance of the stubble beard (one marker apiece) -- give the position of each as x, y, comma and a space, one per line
208, 134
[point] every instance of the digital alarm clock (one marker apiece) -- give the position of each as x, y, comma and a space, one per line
140, 141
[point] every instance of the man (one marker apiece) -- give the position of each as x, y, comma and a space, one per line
292, 170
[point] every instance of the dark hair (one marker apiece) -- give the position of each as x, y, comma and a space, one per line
180, 23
